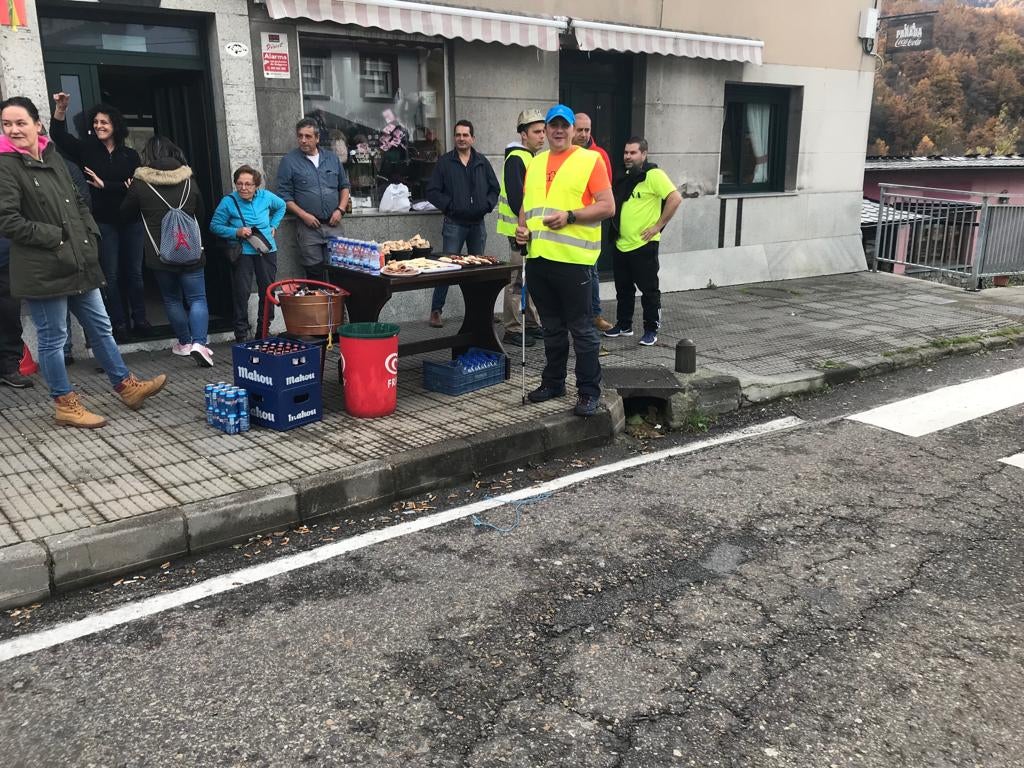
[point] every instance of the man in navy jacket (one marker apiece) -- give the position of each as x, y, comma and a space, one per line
463, 187
316, 189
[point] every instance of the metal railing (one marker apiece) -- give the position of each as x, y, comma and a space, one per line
962, 235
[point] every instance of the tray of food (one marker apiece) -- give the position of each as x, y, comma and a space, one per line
430, 265
398, 269
468, 261
416, 246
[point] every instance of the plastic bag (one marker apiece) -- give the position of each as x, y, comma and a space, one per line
395, 199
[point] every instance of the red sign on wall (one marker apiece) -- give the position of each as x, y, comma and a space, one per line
12, 13
276, 62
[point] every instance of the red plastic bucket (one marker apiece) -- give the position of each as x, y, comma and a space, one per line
369, 368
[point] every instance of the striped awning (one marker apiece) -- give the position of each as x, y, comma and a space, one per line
595, 35
426, 19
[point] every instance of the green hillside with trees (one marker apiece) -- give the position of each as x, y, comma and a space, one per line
964, 96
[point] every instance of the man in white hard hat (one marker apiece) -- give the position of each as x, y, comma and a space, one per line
518, 155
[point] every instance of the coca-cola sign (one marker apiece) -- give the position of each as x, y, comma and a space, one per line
910, 33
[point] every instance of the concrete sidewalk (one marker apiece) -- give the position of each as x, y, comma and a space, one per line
77, 506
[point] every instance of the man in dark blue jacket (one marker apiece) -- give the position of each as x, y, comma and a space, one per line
11, 345
463, 187
316, 189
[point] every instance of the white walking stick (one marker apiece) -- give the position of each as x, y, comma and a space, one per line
522, 324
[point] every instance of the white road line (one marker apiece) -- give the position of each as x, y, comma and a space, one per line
949, 406
1017, 460
91, 625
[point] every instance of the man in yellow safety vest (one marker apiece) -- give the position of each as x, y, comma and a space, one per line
518, 155
566, 196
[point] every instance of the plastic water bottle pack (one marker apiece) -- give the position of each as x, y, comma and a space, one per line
227, 408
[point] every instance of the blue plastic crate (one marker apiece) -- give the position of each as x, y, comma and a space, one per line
450, 378
257, 371
287, 408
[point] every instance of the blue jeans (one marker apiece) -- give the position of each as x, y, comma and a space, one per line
121, 261
178, 289
453, 237
595, 292
50, 317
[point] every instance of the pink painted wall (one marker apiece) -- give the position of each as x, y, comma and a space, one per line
994, 180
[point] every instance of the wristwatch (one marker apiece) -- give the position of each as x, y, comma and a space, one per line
570, 217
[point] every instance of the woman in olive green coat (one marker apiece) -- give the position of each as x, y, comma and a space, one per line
55, 262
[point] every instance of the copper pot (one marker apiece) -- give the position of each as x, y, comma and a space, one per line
316, 315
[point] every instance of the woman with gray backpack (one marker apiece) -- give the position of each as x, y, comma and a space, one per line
165, 194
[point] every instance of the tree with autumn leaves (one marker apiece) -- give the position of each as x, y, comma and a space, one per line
965, 96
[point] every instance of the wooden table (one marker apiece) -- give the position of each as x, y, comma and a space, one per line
480, 289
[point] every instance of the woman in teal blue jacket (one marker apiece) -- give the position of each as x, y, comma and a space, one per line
246, 209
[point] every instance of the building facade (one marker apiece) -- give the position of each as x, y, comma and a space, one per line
757, 109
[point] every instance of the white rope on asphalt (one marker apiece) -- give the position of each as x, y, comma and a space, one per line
91, 625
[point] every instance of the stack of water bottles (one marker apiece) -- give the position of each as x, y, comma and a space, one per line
357, 255
227, 408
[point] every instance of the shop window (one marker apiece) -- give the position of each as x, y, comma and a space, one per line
379, 106
754, 139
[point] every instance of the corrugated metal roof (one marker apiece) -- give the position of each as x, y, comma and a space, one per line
874, 163
869, 214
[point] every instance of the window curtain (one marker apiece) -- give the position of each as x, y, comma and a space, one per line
758, 118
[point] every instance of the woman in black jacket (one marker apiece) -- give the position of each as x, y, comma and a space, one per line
108, 165
162, 181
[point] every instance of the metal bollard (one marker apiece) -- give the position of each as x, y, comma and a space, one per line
686, 356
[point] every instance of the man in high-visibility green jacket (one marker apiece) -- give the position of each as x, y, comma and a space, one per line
566, 196
518, 155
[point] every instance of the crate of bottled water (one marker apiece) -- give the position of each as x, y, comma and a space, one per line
357, 255
227, 408
476, 369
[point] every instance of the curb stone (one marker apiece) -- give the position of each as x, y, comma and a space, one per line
26, 573
353, 489
222, 521
92, 554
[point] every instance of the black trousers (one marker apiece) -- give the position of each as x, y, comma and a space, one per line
264, 267
562, 294
633, 270
11, 344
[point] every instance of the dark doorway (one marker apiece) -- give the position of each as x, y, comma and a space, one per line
601, 84
157, 75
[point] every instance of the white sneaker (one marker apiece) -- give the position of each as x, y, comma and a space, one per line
202, 355
183, 350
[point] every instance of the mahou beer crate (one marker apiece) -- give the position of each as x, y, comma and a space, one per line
282, 377
287, 408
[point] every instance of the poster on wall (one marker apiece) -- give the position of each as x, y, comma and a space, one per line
276, 63
12, 13
910, 33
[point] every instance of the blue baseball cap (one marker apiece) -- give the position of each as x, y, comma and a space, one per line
562, 111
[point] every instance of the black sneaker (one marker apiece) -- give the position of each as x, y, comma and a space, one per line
586, 405
537, 332
16, 380
545, 392
617, 330
516, 340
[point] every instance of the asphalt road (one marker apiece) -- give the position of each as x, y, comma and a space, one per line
836, 594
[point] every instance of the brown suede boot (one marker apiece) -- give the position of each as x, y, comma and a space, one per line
133, 391
72, 413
